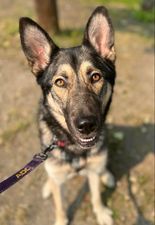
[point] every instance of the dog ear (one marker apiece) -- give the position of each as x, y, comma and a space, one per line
37, 45
99, 33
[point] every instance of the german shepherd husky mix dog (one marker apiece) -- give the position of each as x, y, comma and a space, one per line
77, 85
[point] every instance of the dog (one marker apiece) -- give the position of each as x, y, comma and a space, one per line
77, 85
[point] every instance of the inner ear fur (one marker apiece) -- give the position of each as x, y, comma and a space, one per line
37, 44
99, 33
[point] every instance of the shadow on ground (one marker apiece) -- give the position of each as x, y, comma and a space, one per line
128, 147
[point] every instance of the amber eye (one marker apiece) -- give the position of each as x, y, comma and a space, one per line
60, 82
95, 77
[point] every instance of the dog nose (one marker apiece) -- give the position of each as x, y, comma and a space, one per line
86, 125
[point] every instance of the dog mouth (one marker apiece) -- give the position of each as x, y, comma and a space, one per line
87, 142
85, 130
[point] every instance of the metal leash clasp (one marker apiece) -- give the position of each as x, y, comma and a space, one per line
45, 153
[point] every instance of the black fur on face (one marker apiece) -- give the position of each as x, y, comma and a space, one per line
77, 83
79, 99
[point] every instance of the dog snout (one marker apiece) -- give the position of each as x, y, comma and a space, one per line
86, 125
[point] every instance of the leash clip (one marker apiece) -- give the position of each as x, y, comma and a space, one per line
45, 154
40, 156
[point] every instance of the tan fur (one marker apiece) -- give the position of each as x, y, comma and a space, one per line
56, 111
95, 169
82, 74
45, 132
84, 68
63, 93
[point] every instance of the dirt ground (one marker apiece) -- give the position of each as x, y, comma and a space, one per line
130, 122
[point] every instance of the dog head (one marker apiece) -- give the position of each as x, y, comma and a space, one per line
77, 82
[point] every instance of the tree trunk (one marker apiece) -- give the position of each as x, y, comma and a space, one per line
147, 5
47, 15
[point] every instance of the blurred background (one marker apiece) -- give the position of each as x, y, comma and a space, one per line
130, 122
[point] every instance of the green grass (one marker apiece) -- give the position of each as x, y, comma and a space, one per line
11, 132
134, 7
142, 180
9, 32
143, 16
126, 2
68, 37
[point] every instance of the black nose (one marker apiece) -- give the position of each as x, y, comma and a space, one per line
86, 125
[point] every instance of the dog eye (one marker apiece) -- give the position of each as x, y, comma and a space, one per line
60, 82
95, 77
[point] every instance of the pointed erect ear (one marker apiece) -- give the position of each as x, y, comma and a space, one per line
37, 45
99, 33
